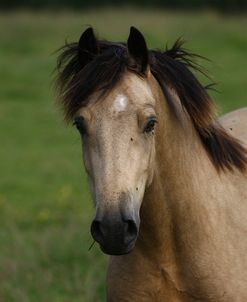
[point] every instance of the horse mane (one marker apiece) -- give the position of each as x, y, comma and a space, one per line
172, 68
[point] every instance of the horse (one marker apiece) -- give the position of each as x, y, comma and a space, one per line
168, 178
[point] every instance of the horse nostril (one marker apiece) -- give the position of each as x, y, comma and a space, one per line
131, 230
96, 231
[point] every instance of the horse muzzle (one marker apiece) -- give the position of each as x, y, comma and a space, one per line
116, 232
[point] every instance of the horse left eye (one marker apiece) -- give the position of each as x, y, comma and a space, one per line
150, 125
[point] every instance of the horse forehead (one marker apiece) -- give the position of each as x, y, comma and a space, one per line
137, 89
120, 103
133, 91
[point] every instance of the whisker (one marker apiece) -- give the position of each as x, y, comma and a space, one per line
92, 244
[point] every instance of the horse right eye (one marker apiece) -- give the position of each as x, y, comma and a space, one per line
79, 123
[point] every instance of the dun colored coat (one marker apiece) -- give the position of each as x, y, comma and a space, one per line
168, 180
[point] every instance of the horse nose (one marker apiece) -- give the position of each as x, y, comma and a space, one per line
126, 230
114, 235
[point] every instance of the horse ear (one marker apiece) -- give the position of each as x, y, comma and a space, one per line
87, 47
137, 49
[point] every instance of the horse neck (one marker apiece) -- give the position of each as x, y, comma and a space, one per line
182, 177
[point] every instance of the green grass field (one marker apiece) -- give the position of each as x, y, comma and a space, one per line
45, 207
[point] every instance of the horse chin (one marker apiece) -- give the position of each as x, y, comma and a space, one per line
118, 251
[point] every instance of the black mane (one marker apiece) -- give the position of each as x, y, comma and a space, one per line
171, 68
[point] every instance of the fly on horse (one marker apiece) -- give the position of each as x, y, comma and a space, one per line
168, 179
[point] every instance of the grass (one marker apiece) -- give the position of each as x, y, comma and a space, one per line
45, 206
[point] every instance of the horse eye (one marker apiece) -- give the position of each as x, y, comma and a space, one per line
79, 123
150, 125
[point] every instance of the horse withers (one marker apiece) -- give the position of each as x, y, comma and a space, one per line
168, 180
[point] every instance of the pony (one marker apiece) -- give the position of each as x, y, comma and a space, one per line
168, 179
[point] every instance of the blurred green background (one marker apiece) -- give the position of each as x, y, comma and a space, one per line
45, 207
